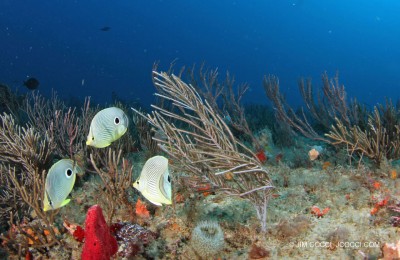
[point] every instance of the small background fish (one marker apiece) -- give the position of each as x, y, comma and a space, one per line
105, 28
31, 83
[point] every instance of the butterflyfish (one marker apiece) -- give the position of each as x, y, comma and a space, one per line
107, 126
154, 181
59, 183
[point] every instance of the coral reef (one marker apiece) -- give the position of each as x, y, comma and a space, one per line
205, 146
224, 100
377, 142
334, 120
349, 210
116, 178
24, 154
287, 229
227, 209
66, 126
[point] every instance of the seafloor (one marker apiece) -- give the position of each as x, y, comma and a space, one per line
333, 207
346, 231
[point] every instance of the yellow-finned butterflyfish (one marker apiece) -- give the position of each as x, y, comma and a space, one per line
59, 183
107, 126
154, 181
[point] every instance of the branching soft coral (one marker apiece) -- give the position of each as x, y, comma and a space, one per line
375, 142
66, 126
198, 137
24, 155
116, 176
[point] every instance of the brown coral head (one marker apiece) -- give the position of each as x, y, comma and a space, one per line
257, 252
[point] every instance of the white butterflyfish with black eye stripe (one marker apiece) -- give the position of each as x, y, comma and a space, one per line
59, 183
154, 181
107, 126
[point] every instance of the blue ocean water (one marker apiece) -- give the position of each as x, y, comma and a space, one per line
61, 43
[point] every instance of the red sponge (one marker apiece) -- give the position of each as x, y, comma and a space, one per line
99, 243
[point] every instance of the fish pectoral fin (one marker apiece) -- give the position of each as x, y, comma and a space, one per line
65, 202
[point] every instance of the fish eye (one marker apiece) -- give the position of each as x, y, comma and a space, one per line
92, 138
116, 121
68, 173
169, 179
137, 182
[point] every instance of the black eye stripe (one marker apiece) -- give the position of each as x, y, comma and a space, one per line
48, 199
